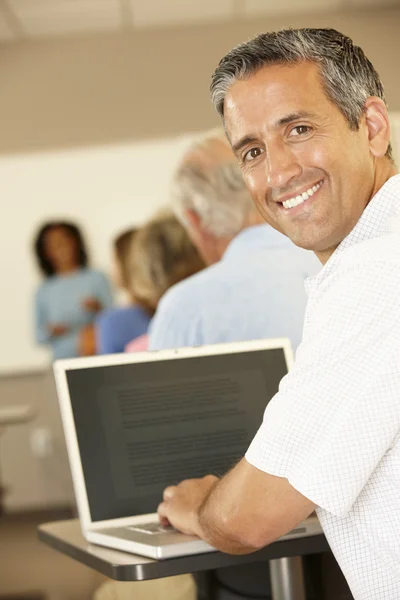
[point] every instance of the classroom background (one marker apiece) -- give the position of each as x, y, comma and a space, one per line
99, 99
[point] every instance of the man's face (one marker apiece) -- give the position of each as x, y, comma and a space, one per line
309, 174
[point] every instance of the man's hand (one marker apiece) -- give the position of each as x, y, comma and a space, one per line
238, 514
182, 503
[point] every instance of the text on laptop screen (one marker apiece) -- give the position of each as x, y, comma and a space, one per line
143, 426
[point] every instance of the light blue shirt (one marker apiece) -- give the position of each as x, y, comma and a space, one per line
117, 327
256, 291
59, 302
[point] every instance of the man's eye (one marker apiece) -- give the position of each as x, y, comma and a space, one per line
252, 154
300, 130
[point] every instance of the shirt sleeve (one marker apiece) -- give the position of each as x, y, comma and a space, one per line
337, 412
42, 334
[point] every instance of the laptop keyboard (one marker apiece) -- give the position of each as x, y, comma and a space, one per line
152, 528
155, 527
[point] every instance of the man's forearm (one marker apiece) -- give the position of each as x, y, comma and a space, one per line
242, 512
214, 525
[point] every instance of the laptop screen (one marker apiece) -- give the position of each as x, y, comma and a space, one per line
143, 426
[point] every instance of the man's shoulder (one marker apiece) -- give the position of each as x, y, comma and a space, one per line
193, 290
365, 271
181, 310
373, 254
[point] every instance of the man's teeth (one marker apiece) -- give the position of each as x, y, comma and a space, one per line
292, 202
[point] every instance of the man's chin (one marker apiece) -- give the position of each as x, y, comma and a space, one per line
315, 243
305, 244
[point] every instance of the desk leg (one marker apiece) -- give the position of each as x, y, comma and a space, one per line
287, 581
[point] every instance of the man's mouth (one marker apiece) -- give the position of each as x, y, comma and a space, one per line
300, 198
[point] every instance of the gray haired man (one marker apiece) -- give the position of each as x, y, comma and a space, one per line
305, 113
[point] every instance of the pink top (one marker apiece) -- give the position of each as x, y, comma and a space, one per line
140, 344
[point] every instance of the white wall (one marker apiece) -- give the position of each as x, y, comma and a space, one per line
105, 189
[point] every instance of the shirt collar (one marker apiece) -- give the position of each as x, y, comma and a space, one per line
379, 218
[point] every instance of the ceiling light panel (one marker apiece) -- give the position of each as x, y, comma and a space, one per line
156, 13
51, 17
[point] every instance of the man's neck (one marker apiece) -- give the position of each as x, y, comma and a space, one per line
385, 169
222, 244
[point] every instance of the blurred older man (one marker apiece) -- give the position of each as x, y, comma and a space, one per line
254, 286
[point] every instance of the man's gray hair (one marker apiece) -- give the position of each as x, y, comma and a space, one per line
216, 193
348, 77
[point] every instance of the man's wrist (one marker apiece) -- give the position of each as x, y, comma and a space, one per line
196, 527
199, 514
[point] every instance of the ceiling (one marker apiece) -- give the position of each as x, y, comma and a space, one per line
32, 19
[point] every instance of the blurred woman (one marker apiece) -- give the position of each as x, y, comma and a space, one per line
117, 326
161, 255
71, 295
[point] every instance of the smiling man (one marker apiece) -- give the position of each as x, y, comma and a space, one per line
305, 113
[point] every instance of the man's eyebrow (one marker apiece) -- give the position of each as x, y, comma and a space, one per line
302, 114
248, 139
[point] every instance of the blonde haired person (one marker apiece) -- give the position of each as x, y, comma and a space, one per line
162, 254
117, 326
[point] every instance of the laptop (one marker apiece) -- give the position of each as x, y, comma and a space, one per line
136, 423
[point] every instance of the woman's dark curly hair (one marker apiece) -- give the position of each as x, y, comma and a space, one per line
44, 263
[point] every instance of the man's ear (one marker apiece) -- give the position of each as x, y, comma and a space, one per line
377, 122
193, 220
204, 241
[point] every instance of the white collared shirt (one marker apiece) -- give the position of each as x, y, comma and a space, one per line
333, 429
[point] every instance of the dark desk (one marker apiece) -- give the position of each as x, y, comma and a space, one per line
66, 537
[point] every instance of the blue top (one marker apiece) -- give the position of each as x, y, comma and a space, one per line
116, 327
255, 291
59, 302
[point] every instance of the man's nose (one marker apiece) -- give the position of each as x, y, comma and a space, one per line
282, 166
